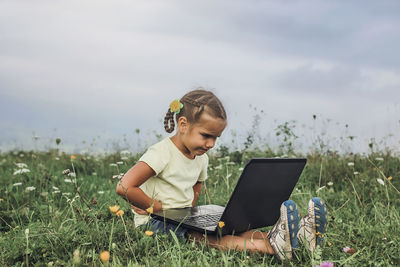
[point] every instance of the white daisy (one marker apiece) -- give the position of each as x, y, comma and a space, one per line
380, 181
21, 171
21, 165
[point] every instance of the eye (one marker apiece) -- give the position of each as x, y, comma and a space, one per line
206, 135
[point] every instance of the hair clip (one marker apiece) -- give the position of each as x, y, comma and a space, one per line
176, 106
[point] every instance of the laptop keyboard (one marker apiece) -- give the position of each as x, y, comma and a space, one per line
203, 220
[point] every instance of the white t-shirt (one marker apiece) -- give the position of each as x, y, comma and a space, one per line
175, 176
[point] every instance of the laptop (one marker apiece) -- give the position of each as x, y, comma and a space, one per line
255, 202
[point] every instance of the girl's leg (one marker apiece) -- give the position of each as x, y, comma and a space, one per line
234, 242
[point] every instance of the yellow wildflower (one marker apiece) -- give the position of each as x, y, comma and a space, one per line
105, 256
390, 178
1, 200
176, 106
114, 209
120, 213
150, 210
221, 224
73, 157
149, 233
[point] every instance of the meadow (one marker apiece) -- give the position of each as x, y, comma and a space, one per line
54, 210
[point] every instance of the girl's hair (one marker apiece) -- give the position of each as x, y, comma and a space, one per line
194, 104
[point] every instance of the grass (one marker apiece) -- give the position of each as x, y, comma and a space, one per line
65, 219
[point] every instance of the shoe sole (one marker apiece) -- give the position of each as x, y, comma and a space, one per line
320, 217
292, 222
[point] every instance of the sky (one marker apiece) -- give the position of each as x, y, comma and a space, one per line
92, 72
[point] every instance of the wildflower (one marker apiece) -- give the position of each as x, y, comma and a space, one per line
113, 165
329, 244
319, 189
125, 153
21, 165
94, 173
17, 184
55, 188
325, 264
355, 173
150, 210
330, 183
118, 176
1, 199
66, 194
120, 213
379, 159
380, 181
114, 209
104, 256
124, 158
30, 188
66, 172
57, 158
77, 257
350, 164
100, 192
72, 174
149, 233
73, 157
221, 224
390, 178
20, 171
120, 163
44, 194
349, 250
68, 180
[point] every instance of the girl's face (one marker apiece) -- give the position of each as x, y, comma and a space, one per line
201, 136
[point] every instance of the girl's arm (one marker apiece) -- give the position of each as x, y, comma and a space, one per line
129, 189
197, 191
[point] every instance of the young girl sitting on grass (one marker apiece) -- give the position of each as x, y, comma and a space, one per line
171, 174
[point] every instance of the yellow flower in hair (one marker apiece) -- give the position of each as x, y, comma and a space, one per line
176, 106
221, 224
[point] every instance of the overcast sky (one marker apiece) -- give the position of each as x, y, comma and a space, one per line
80, 70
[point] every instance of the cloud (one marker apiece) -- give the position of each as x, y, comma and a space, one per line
115, 66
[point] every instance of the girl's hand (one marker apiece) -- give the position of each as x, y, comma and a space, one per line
157, 207
139, 210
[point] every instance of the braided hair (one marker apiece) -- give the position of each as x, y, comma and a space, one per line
194, 104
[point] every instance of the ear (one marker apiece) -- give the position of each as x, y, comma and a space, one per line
183, 124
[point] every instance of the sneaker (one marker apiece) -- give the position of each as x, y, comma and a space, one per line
312, 226
283, 236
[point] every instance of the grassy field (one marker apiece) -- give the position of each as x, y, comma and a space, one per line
49, 217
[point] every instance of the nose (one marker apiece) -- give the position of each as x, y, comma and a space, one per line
210, 143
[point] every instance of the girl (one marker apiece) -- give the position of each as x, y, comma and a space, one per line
171, 174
